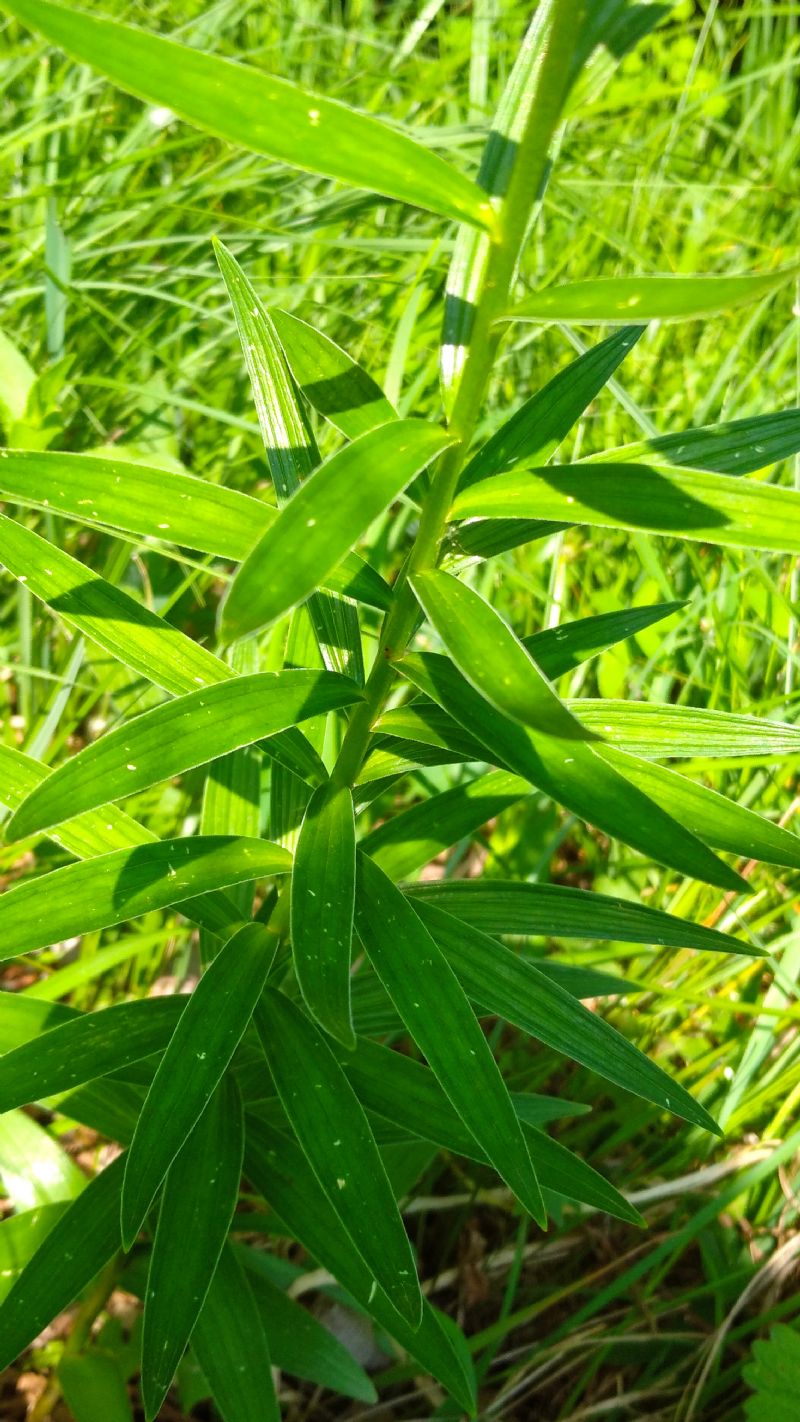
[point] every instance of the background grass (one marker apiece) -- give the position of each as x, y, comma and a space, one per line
686, 160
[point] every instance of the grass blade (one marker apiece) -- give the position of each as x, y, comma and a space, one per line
330, 379
323, 895
232, 1347
647, 298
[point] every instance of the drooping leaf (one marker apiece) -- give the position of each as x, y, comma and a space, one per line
164, 504
323, 894
232, 1347
709, 508
280, 1172
415, 973
511, 987
189, 731
197, 1205
323, 519
112, 888
205, 1039
647, 298
336, 1139
330, 379
487, 652
571, 772
82, 1241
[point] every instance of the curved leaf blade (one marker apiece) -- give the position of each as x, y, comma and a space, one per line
647, 298
330, 379
322, 903
232, 1347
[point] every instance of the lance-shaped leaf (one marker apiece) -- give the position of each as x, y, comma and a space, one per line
330, 379
85, 1047
323, 519
736, 447
560, 649
555, 911
232, 1348
415, 974
709, 508
334, 1134
164, 504
261, 112
205, 1039
534, 432
513, 988
571, 772
659, 731
291, 451
280, 1172
407, 1093
647, 298
112, 888
299, 1344
716, 820
492, 658
20, 1237
82, 1241
323, 894
406, 842
197, 1205
174, 737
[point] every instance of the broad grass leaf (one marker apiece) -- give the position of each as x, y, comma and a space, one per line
299, 1344
415, 974
177, 736
232, 1347
197, 1204
557, 911
163, 504
291, 451
334, 1134
513, 988
534, 432
200, 1050
658, 731
281, 1174
489, 654
706, 508
84, 1047
735, 447
323, 895
647, 298
330, 379
323, 519
571, 772
112, 888
261, 112
82, 1241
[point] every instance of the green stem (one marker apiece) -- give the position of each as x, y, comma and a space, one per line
514, 217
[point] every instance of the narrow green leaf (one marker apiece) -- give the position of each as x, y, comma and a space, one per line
205, 1039
261, 112
94, 1386
534, 432
280, 1172
232, 794
197, 1205
330, 379
300, 1345
708, 508
323, 894
335, 1137
572, 773
17, 379
555, 911
486, 537
164, 504
232, 1347
82, 1241
85, 1047
34, 1168
647, 298
557, 650
659, 731
513, 988
714, 819
415, 973
737, 447
323, 519
176, 736
112, 888
407, 842
20, 1237
487, 652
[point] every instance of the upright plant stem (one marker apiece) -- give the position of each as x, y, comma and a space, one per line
514, 216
